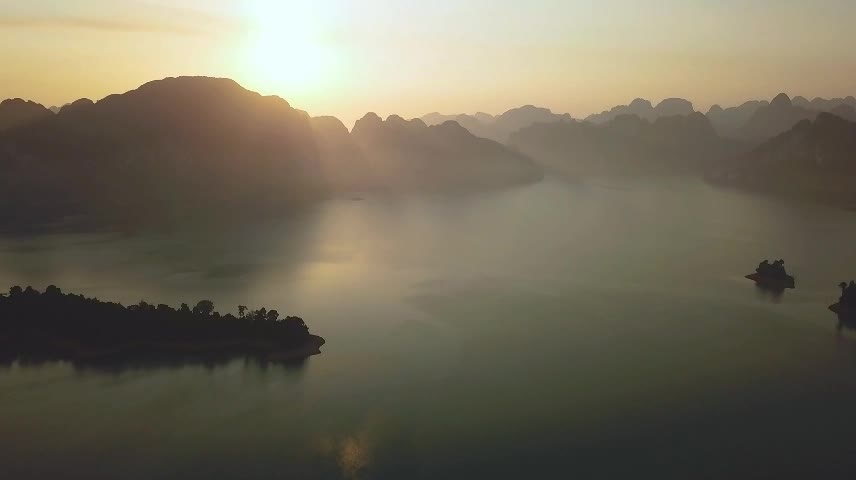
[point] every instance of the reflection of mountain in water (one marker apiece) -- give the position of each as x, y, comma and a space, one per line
223, 262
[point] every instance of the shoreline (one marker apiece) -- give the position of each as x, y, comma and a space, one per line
59, 349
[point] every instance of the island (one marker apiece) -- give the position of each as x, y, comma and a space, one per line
772, 276
846, 306
54, 326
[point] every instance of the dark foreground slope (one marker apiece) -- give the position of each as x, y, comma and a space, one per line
815, 158
625, 145
55, 326
171, 149
411, 155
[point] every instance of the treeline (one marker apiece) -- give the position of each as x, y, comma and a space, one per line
73, 325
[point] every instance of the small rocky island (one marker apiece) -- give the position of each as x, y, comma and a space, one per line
52, 325
846, 306
772, 276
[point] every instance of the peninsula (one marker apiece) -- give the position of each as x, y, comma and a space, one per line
56, 326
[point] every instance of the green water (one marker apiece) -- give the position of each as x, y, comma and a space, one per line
594, 330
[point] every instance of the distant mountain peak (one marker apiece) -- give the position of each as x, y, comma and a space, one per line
370, 118
641, 103
16, 101
781, 100
77, 105
674, 106
16, 111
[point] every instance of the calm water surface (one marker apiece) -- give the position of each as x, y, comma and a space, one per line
596, 330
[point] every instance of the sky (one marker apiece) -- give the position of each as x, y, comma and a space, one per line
411, 57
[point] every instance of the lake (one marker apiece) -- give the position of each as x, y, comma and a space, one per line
600, 329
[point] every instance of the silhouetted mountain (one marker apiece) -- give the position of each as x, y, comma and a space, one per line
343, 163
483, 117
673, 106
643, 109
777, 117
844, 111
816, 158
626, 144
500, 127
480, 125
410, 154
783, 113
801, 102
640, 107
76, 105
824, 105
178, 147
16, 112
438, 118
728, 122
517, 118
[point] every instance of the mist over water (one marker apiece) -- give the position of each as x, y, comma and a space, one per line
597, 329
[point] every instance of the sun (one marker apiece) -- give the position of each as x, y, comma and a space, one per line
286, 49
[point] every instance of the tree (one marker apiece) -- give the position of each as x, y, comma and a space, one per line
53, 290
184, 308
16, 290
204, 307
241, 310
296, 326
260, 314
272, 316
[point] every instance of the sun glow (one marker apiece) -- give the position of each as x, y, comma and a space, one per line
286, 49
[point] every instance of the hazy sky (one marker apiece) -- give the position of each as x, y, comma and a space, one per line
347, 57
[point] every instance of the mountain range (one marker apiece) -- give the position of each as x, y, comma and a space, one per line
626, 144
753, 121
498, 128
645, 110
759, 121
208, 149
197, 147
416, 155
172, 147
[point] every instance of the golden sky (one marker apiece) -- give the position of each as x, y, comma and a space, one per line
411, 57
